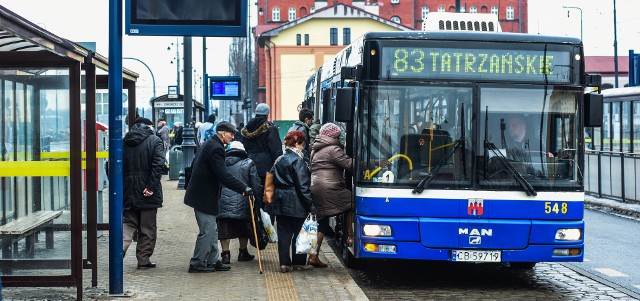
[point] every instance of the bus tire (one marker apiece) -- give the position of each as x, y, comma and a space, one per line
522, 265
349, 260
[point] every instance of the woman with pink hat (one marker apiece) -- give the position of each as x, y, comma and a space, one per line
328, 187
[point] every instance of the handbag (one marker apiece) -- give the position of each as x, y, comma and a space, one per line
263, 237
269, 188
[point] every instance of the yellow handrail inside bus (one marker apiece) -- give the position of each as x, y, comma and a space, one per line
369, 176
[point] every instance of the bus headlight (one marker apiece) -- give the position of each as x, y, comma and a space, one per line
376, 230
569, 234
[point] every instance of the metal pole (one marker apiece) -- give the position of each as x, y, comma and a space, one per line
580, 9
205, 81
178, 64
153, 78
188, 135
615, 43
115, 148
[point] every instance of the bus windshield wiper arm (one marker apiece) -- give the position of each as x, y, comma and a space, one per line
510, 168
424, 183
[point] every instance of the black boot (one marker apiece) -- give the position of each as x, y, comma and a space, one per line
243, 255
226, 257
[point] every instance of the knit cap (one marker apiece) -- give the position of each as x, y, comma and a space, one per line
331, 130
236, 145
262, 109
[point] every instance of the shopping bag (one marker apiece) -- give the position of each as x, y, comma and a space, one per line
261, 232
308, 236
268, 226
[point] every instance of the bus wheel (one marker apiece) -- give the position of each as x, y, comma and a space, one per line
522, 265
348, 259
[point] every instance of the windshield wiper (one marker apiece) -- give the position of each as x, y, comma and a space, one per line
424, 183
503, 160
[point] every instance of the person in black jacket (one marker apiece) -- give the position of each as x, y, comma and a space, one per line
262, 141
234, 220
209, 173
143, 165
292, 201
305, 120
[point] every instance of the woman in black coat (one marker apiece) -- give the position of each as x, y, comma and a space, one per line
292, 201
234, 219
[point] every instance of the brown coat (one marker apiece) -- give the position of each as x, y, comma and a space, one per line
328, 163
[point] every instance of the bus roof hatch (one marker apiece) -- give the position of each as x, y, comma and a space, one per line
461, 22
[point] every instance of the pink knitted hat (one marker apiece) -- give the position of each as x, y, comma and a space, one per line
330, 130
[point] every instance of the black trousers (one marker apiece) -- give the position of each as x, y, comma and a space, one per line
288, 228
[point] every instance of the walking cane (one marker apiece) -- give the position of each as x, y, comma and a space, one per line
255, 233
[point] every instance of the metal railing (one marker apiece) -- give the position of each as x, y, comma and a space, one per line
613, 175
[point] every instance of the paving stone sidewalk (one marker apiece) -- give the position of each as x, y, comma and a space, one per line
177, 231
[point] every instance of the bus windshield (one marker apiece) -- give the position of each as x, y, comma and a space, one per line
429, 130
535, 130
415, 126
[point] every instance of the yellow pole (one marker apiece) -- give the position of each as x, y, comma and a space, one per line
255, 233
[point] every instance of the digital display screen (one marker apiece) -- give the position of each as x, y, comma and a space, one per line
476, 64
186, 12
225, 89
207, 18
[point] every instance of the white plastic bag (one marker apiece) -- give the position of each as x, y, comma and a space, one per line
271, 230
307, 241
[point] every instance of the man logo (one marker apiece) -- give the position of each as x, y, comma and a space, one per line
475, 207
475, 240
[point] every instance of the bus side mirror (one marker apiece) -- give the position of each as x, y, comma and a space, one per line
345, 104
593, 110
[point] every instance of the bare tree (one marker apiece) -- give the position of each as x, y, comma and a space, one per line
238, 66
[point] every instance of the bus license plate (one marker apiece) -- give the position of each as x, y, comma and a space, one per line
476, 256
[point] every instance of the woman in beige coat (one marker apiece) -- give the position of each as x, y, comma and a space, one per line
328, 188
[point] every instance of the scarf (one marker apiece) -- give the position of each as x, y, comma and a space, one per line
296, 151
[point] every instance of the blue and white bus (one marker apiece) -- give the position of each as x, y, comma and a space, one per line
453, 190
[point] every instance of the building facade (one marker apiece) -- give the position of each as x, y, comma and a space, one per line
294, 37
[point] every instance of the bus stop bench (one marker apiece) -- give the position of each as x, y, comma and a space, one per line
27, 226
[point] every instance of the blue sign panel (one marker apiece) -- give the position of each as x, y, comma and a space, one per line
224, 87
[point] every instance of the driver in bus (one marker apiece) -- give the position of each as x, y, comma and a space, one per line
518, 147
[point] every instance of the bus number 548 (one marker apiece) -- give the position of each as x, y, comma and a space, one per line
555, 207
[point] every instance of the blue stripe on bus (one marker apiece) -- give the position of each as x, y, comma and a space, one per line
459, 208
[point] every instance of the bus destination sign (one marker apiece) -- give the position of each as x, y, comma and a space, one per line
476, 64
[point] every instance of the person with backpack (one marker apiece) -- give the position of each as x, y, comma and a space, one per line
207, 129
305, 120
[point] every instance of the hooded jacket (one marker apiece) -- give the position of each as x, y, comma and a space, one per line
232, 204
291, 178
143, 165
262, 142
208, 175
328, 163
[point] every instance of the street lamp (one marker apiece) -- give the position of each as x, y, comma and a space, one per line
153, 78
177, 62
580, 9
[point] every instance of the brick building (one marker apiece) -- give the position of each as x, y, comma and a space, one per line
281, 16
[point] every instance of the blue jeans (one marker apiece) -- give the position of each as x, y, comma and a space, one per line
206, 250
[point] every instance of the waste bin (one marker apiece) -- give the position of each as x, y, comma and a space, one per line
175, 162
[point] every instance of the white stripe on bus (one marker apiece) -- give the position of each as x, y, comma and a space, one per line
569, 196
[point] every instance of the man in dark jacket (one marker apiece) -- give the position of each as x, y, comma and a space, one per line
203, 194
143, 164
305, 120
262, 141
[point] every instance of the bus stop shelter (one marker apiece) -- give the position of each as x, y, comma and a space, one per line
48, 174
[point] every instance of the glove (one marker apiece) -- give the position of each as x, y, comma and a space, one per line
248, 191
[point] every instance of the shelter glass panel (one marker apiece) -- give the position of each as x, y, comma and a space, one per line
35, 171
